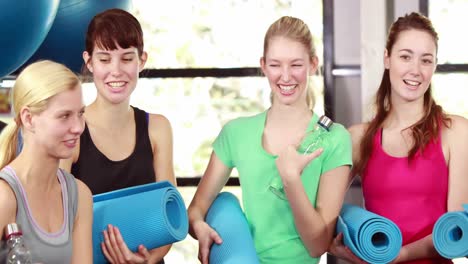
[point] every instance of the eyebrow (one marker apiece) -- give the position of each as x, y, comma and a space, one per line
410, 51
107, 53
294, 60
68, 111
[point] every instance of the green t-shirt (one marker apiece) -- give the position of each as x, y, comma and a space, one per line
271, 221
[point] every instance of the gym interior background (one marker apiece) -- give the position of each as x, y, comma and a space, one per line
203, 69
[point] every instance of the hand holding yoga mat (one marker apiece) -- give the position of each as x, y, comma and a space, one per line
226, 217
450, 234
371, 237
153, 214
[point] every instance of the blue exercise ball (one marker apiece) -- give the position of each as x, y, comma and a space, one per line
65, 42
24, 24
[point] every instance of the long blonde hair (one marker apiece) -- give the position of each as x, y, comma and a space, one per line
295, 29
33, 88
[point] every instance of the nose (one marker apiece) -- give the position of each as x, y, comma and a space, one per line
285, 74
78, 124
115, 68
415, 68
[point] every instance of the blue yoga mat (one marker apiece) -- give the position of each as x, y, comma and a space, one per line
450, 234
371, 237
227, 218
152, 214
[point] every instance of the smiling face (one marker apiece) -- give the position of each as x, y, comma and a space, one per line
56, 130
287, 66
411, 64
115, 72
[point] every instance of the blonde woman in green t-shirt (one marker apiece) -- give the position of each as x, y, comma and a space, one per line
298, 226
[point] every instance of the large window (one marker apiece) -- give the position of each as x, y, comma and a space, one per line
216, 34
449, 19
450, 89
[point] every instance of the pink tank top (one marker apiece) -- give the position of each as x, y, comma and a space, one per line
412, 195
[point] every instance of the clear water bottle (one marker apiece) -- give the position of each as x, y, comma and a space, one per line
315, 138
18, 253
312, 140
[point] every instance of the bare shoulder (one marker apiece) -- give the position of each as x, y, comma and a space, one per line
7, 205
159, 127
6, 196
459, 123
357, 131
457, 132
83, 189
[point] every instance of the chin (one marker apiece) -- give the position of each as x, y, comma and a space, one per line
63, 155
117, 99
289, 100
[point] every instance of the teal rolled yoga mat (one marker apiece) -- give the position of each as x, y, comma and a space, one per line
371, 237
153, 214
450, 234
227, 218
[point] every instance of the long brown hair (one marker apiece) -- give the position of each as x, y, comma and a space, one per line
427, 128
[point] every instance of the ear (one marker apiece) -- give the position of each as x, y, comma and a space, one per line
314, 64
27, 119
86, 58
386, 59
262, 64
143, 59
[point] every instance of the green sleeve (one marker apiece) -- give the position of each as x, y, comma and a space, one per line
223, 144
338, 151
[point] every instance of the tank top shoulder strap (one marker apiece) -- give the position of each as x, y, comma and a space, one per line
377, 138
435, 146
141, 123
72, 192
8, 176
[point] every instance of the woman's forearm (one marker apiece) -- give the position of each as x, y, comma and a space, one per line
309, 223
420, 249
157, 254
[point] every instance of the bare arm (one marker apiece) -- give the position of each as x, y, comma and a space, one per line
7, 206
162, 143
420, 249
82, 229
458, 165
215, 177
315, 225
213, 180
160, 132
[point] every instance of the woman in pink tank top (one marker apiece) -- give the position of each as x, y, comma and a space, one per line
411, 156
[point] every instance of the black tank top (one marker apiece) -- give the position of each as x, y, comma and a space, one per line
103, 175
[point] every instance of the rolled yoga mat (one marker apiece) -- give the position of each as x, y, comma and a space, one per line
450, 234
152, 214
227, 218
371, 237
